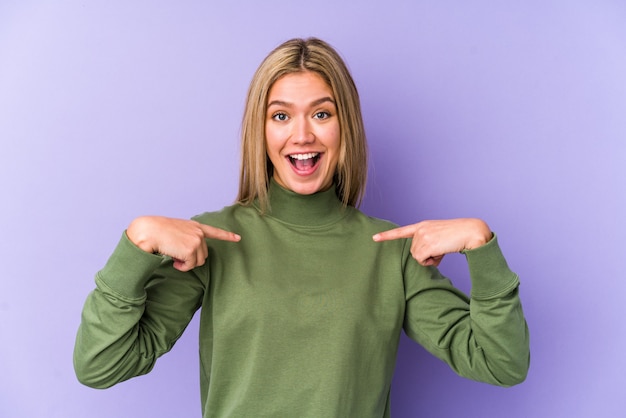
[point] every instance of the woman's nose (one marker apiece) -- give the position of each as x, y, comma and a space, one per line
302, 132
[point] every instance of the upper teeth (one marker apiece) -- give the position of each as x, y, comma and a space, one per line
304, 156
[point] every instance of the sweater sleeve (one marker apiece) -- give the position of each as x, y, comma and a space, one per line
484, 337
139, 308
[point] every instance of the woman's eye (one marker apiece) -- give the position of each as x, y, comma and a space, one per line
322, 115
281, 117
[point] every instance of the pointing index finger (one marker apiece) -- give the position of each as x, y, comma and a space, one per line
397, 233
220, 234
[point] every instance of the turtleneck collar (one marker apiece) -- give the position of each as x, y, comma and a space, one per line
318, 209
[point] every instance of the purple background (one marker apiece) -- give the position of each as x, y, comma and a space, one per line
512, 113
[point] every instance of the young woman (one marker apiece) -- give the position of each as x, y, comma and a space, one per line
303, 296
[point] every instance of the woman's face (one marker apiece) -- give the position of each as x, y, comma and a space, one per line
302, 132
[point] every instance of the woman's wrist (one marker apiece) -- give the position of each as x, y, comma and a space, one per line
480, 234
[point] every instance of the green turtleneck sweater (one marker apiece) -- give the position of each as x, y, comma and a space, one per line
302, 317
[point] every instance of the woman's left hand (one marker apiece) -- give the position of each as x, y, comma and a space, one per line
432, 240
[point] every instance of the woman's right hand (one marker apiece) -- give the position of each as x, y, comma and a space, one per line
181, 239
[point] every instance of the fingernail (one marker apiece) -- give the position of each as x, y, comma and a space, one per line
376, 237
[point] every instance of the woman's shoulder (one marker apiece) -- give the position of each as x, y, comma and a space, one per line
373, 222
225, 216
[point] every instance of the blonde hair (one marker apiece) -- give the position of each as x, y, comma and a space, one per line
293, 56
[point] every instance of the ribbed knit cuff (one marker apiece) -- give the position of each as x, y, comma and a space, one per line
489, 271
128, 269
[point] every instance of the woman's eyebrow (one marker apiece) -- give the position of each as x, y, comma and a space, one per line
278, 103
322, 100
313, 104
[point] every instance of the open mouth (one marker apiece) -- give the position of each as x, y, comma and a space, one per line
304, 162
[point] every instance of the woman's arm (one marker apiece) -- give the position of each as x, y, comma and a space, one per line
145, 296
484, 337
139, 308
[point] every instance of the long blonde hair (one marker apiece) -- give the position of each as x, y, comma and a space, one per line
297, 55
